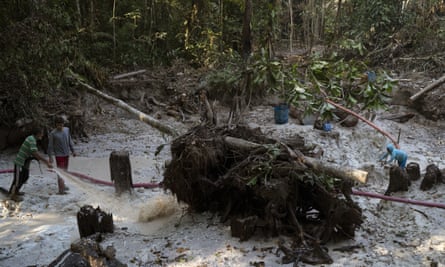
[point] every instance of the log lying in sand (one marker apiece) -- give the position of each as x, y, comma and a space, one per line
337, 171
142, 116
318, 166
403, 117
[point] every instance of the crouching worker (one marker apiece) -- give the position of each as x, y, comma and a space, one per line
396, 154
27, 152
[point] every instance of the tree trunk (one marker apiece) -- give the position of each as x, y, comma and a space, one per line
114, 30
291, 33
428, 88
120, 170
318, 166
142, 116
247, 38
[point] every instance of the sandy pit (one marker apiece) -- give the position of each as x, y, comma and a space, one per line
152, 229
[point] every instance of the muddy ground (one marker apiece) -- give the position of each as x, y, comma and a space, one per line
153, 230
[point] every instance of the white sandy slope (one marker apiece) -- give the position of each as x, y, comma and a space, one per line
35, 231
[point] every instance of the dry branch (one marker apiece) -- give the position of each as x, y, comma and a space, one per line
428, 88
318, 166
142, 116
132, 82
129, 74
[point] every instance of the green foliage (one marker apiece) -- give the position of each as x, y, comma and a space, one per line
263, 171
226, 80
323, 180
268, 74
32, 68
42, 38
373, 19
271, 76
353, 46
349, 83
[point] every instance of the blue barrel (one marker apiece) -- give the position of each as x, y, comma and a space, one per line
327, 127
281, 113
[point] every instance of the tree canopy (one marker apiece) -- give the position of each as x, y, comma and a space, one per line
42, 39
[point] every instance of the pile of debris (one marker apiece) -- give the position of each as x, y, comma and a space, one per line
264, 186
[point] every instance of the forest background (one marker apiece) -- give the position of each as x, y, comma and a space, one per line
244, 47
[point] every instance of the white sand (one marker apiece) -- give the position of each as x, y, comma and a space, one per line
35, 231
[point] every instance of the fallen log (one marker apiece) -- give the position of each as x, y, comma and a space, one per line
119, 103
262, 186
404, 117
428, 88
318, 166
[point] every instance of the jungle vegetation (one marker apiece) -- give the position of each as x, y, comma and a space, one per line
43, 39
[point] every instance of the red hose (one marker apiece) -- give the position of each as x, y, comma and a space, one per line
365, 120
97, 181
398, 199
354, 192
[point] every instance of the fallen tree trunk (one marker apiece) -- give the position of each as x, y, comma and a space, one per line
142, 116
318, 166
428, 88
404, 117
262, 185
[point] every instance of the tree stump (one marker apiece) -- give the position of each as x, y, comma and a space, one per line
243, 228
413, 171
120, 170
91, 221
432, 176
398, 180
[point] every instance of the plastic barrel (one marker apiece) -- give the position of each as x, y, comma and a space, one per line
281, 113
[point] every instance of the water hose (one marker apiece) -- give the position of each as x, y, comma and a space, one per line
399, 199
396, 144
97, 181
354, 192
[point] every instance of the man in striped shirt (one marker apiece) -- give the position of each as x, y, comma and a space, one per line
27, 152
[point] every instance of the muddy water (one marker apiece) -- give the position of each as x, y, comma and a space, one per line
99, 168
143, 212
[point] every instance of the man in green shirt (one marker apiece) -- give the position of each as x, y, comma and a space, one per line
27, 152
